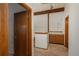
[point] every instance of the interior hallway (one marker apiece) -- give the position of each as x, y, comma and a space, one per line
53, 50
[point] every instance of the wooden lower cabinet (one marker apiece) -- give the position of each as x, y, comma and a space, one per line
56, 38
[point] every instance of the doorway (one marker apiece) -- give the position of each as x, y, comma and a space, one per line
16, 17
19, 28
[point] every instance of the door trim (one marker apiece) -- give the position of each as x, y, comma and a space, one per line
29, 10
66, 32
4, 29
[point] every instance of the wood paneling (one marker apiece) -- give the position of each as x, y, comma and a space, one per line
56, 38
3, 29
49, 11
66, 31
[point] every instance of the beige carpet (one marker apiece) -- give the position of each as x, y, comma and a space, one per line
53, 50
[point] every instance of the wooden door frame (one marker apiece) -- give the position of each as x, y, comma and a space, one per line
4, 42
29, 10
65, 44
3, 29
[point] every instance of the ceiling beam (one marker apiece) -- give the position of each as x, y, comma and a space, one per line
49, 11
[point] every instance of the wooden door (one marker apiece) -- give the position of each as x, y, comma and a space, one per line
3, 29
66, 30
21, 34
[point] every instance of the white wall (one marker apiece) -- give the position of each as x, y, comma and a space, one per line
73, 11
66, 9
11, 31
74, 29
41, 23
57, 22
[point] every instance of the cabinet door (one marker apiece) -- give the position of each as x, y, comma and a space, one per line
51, 38
57, 39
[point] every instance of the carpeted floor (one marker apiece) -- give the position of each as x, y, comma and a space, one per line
53, 50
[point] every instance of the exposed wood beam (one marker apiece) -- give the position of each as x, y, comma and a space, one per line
49, 11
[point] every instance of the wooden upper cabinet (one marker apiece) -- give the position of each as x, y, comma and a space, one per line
3, 29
